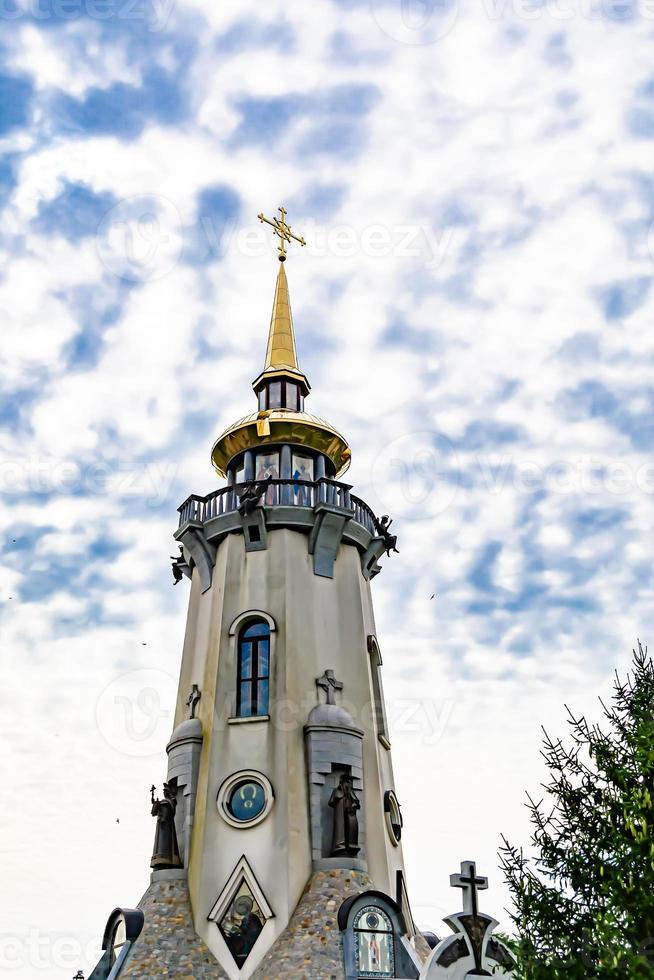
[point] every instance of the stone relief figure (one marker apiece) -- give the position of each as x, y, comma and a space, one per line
166, 849
345, 804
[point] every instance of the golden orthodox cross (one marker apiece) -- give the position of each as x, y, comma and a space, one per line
283, 232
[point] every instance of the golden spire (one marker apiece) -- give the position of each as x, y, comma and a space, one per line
281, 350
281, 420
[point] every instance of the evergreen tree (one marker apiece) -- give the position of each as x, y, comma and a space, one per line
584, 905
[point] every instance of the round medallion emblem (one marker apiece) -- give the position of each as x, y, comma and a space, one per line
245, 798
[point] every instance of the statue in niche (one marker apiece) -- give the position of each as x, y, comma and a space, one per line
252, 495
390, 540
345, 804
166, 849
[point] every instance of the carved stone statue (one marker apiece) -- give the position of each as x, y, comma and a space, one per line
180, 566
390, 540
252, 495
193, 699
166, 849
345, 804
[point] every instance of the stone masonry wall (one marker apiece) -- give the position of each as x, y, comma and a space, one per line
168, 945
310, 947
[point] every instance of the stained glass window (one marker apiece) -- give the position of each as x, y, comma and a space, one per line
253, 670
247, 800
374, 949
302, 470
268, 466
242, 923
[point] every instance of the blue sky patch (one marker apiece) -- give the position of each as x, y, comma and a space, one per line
620, 299
95, 308
244, 35
481, 573
217, 210
75, 212
334, 115
16, 92
122, 110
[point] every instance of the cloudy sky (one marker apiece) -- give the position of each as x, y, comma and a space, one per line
473, 310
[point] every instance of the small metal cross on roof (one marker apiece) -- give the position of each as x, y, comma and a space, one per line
471, 883
330, 685
283, 231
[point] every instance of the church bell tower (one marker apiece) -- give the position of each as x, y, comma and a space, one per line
280, 759
278, 844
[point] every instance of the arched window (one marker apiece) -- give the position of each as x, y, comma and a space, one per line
252, 694
375, 939
373, 943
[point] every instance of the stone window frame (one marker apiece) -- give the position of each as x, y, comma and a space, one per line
393, 820
242, 872
239, 623
131, 921
378, 704
405, 960
226, 789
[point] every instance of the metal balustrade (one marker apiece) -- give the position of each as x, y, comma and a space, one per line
286, 493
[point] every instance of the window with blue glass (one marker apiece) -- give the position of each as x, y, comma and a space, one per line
253, 670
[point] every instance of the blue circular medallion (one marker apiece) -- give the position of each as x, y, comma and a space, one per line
247, 801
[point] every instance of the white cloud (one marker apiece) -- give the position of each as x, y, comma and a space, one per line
540, 192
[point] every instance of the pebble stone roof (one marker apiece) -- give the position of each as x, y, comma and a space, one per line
169, 945
310, 947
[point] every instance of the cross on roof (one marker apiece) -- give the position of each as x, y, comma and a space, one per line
283, 231
329, 685
471, 883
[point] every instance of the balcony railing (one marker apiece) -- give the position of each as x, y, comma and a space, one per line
287, 493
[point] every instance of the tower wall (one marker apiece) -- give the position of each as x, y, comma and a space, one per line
319, 623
